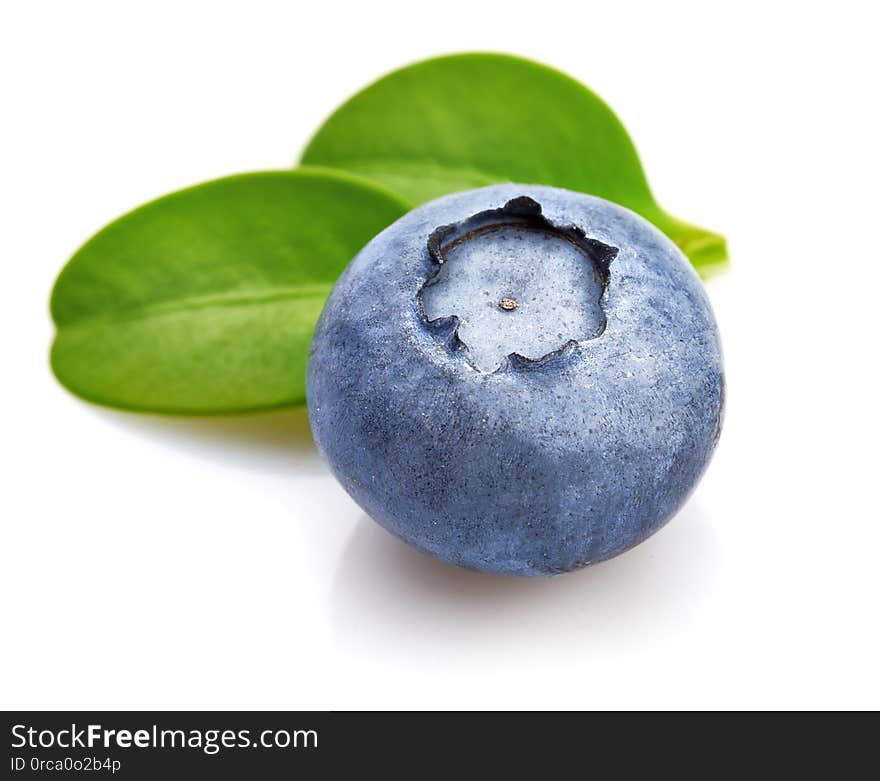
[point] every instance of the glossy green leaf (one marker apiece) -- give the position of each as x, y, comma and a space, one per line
463, 121
204, 301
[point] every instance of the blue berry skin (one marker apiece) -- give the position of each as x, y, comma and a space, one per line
540, 466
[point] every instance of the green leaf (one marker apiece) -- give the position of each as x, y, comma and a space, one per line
205, 301
467, 120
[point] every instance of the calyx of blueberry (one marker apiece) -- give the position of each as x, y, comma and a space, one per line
519, 214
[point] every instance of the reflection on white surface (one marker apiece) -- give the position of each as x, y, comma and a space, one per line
267, 441
389, 598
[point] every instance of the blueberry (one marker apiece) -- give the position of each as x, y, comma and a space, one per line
518, 379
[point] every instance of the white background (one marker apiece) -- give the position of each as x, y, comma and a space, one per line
167, 563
